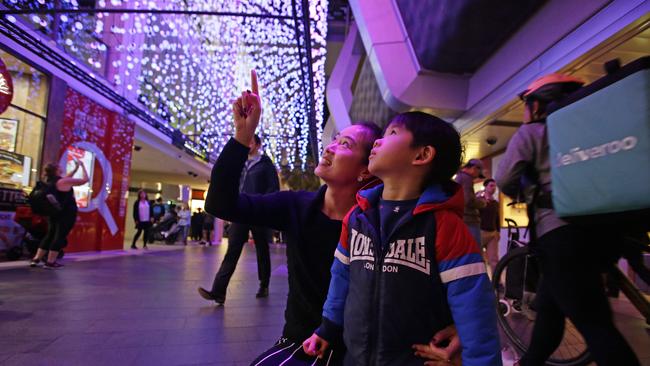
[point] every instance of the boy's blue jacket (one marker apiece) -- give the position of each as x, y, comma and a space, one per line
430, 275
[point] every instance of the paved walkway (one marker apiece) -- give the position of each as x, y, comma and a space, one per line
139, 310
125, 309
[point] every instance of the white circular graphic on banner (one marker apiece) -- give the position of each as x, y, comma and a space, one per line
98, 202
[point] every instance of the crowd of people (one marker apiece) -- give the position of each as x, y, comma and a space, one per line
388, 261
173, 223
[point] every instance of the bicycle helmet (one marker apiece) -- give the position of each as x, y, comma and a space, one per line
551, 87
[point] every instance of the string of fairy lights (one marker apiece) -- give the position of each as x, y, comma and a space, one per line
187, 68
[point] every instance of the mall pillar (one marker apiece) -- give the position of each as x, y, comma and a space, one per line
54, 125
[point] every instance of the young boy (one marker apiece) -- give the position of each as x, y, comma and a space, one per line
406, 265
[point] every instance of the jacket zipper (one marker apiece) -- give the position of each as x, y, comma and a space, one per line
380, 254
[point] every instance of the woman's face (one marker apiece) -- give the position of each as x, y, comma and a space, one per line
343, 159
142, 195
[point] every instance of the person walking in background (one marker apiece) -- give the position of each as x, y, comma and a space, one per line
197, 224
184, 217
172, 216
490, 223
258, 177
60, 225
143, 218
465, 177
208, 226
158, 209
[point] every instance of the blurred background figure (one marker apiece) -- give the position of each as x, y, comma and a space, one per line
197, 224
143, 217
60, 224
258, 177
470, 172
490, 222
184, 218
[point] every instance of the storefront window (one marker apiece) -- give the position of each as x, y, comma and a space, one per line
22, 125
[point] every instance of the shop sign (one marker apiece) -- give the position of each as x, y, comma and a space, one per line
84, 202
103, 141
10, 198
6, 87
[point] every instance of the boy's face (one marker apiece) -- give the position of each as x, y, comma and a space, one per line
392, 152
342, 160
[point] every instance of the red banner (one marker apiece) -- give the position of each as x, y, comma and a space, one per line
6, 88
103, 141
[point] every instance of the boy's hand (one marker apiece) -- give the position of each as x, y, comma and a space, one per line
439, 354
247, 110
315, 346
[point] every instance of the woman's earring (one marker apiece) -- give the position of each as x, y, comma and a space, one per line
359, 179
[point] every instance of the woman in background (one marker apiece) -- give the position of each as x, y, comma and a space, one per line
143, 217
59, 226
184, 217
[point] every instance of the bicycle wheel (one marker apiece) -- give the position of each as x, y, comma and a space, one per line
515, 280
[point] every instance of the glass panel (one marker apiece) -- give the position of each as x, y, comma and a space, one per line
27, 139
22, 125
30, 85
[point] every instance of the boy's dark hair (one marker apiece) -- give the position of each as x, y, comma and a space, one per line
488, 181
258, 140
372, 133
429, 130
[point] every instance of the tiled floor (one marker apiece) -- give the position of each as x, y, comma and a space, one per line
139, 310
117, 309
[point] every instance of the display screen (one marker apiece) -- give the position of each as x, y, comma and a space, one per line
14, 169
8, 133
83, 193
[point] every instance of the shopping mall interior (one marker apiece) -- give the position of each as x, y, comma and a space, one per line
102, 100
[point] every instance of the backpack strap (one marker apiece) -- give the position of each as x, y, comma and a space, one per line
539, 199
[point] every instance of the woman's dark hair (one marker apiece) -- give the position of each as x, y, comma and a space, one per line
51, 172
429, 130
146, 196
372, 133
488, 181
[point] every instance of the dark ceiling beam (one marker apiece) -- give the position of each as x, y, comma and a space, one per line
140, 11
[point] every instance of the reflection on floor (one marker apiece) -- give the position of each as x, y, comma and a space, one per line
143, 309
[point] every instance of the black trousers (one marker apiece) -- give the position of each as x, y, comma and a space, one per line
572, 286
237, 237
58, 229
143, 226
289, 353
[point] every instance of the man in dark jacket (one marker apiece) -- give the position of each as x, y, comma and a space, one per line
258, 177
465, 177
158, 209
197, 224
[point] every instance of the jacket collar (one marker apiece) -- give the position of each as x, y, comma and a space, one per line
433, 198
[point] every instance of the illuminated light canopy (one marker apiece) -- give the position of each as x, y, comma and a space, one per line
187, 68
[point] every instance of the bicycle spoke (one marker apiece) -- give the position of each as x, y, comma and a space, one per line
514, 281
